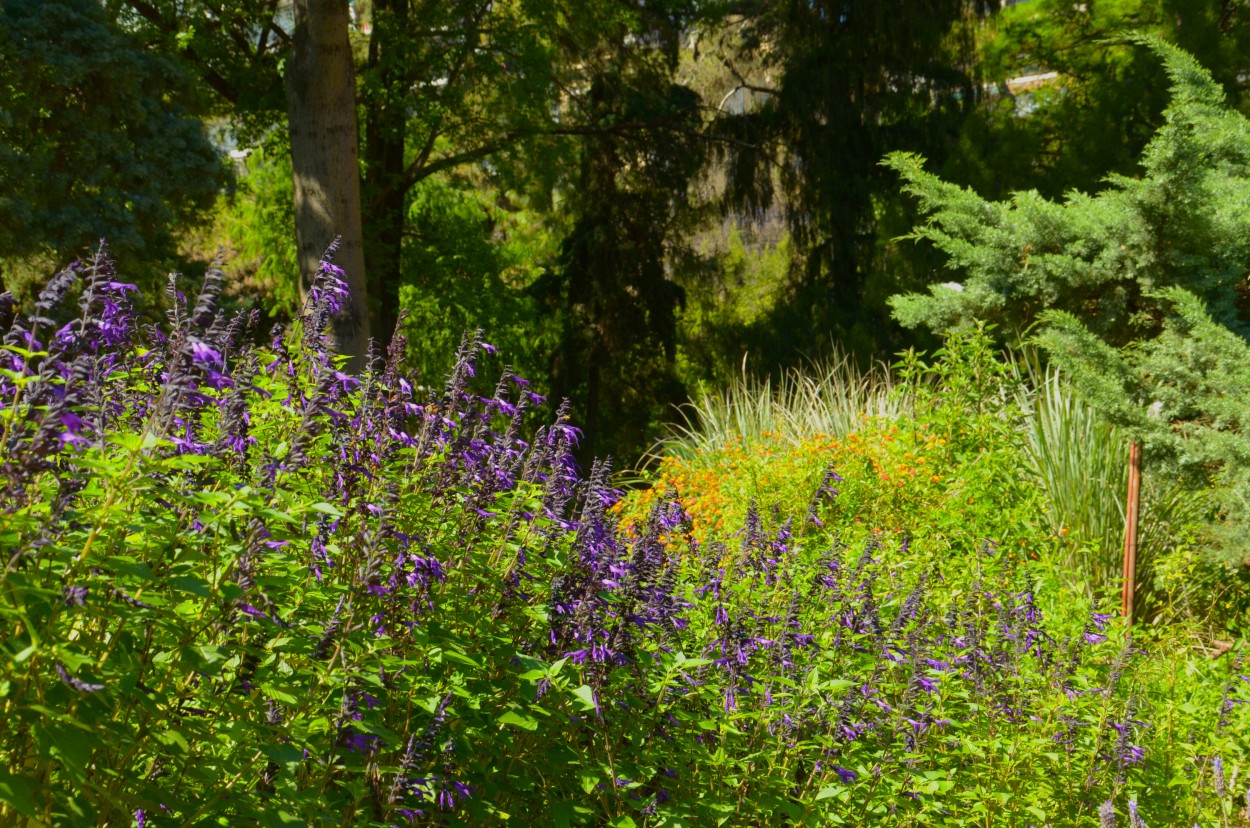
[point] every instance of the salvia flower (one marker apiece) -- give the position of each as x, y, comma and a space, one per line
75, 595
1106, 815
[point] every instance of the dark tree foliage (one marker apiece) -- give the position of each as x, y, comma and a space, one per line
854, 81
97, 137
447, 86
237, 48
613, 290
1072, 101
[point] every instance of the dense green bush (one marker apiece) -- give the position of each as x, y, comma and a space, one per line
99, 135
242, 587
1136, 291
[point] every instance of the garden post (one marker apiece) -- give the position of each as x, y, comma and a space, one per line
1130, 530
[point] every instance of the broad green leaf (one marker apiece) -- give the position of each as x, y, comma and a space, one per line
588, 779
19, 792
584, 698
519, 720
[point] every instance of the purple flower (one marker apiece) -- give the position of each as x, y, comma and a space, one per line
330, 288
1106, 815
362, 743
251, 611
845, 774
74, 595
75, 427
205, 355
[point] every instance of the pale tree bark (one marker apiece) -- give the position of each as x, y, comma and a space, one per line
321, 109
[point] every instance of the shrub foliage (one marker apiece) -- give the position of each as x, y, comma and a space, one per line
242, 587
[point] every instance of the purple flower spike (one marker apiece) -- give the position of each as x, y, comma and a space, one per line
845, 774
333, 288
1106, 815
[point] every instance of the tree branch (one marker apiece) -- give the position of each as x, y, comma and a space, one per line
212, 77
416, 173
270, 27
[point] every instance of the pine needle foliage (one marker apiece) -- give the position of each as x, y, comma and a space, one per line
1137, 292
1182, 224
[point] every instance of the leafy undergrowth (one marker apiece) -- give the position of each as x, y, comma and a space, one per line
947, 470
244, 588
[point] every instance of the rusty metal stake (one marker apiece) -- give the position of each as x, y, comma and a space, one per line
1130, 531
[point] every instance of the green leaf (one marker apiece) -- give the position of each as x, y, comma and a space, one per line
287, 755
584, 698
522, 721
622, 822
212, 658
278, 694
531, 663
460, 658
70, 747
275, 514
191, 584
18, 792
129, 566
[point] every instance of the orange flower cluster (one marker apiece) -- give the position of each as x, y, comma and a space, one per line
887, 472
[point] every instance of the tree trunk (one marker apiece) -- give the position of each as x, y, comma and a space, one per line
321, 109
385, 125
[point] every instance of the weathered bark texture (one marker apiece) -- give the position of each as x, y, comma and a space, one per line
321, 108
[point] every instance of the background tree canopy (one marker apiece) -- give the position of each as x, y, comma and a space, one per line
631, 198
98, 137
